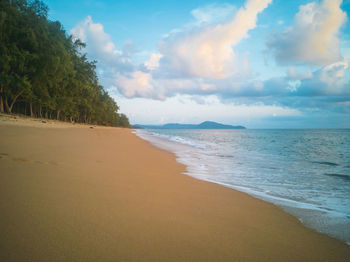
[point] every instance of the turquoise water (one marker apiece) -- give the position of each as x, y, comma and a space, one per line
306, 172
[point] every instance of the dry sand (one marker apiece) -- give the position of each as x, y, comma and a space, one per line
103, 194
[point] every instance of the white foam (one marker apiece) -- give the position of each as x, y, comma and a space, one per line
208, 166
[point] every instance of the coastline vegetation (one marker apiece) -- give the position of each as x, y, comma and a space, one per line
43, 72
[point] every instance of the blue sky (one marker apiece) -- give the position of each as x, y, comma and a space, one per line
258, 63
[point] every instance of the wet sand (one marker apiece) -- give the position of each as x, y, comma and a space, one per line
75, 193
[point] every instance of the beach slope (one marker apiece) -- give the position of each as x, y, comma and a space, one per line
75, 193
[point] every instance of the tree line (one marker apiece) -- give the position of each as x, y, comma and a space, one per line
43, 72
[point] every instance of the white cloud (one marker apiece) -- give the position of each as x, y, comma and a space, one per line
328, 81
208, 66
333, 72
314, 36
153, 62
136, 84
100, 47
212, 13
207, 52
189, 61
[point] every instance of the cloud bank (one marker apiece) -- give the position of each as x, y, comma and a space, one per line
207, 52
202, 59
314, 36
99, 44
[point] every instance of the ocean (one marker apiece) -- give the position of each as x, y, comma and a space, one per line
306, 172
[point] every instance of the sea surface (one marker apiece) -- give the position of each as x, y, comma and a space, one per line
306, 172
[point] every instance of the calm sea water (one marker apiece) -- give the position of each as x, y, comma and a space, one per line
306, 172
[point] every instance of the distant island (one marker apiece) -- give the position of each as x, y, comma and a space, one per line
204, 125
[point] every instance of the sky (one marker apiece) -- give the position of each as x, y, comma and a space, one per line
257, 63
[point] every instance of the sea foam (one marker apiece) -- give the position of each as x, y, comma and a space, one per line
303, 171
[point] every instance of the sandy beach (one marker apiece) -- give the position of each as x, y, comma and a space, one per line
75, 193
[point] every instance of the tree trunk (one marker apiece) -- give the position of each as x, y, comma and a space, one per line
1, 101
1, 105
7, 106
13, 102
31, 109
40, 113
58, 114
46, 115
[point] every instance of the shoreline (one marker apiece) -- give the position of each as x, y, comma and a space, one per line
105, 194
320, 219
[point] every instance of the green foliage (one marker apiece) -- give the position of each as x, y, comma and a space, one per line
43, 73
